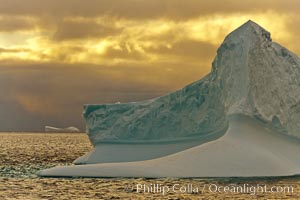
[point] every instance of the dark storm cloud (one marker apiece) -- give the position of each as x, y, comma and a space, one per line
142, 8
15, 23
79, 30
53, 94
124, 53
189, 49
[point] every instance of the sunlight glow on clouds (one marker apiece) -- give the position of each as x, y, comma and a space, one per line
127, 40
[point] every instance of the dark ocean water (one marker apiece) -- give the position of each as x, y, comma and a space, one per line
23, 154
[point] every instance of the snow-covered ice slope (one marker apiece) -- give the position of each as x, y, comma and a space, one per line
247, 149
126, 152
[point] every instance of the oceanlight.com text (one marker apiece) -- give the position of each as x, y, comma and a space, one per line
211, 188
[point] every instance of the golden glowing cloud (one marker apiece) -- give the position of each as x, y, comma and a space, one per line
138, 40
35, 104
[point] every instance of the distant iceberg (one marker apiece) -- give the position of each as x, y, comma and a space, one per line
71, 129
242, 119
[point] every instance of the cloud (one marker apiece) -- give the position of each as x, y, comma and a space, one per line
81, 29
13, 50
43, 94
186, 50
16, 23
91, 80
142, 9
103, 41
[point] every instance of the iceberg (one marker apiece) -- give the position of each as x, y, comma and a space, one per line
242, 119
247, 149
71, 129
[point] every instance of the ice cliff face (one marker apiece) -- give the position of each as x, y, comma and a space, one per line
185, 113
250, 75
259, 78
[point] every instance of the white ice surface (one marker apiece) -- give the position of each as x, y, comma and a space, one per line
126, 152
70, 129
247, 149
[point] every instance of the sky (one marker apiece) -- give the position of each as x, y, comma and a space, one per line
56, 56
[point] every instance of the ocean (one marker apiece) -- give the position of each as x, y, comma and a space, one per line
23, 154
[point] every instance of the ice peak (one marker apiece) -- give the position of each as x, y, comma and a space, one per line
250, 29
252, 24
242, 40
